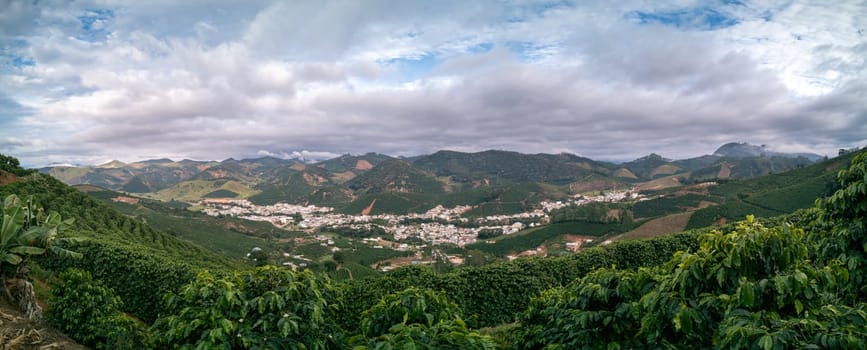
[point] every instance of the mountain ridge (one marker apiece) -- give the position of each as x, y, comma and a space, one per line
347, 178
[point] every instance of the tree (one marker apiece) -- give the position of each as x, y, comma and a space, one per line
11, 165
258, 257
25, 231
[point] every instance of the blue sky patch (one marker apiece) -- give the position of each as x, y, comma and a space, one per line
527, 51
481, 48
11, 110
700, 18
10, 57
526, 12
94, 24
414, 68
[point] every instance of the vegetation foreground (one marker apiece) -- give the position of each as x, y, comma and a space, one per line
794, 282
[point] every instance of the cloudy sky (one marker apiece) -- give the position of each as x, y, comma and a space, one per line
89, 81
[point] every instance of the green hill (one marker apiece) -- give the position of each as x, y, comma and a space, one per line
138, 261
296, 186
773, 194
353, 164
146, 176
474, 169
395, 176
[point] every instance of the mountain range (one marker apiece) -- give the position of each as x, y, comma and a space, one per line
353, 181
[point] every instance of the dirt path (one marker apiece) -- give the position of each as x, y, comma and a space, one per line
366, 211
19, 333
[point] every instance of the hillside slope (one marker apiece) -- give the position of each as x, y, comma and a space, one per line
139, 262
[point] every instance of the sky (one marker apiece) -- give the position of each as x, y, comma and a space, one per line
85, 82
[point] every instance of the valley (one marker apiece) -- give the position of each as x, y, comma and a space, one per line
393, 222
488, 242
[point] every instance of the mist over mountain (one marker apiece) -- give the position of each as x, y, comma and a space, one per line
745, 150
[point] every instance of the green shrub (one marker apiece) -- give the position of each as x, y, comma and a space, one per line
90, 313
268, 308
417, 319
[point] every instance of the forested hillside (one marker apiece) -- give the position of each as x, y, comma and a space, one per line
137, 261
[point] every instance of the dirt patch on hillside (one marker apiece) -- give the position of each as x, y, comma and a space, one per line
362, 164
313, 179
124, 199
7, 178
574, 242
482, 182
725, 170
342, 177
705, 204
17, 332
657, 227
366, 211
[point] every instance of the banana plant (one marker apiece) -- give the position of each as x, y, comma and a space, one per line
26, 230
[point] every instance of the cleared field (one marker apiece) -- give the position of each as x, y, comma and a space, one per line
657, 227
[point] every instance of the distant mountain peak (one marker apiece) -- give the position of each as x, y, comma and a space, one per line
740, 150
112, 164
745, 150
652, 156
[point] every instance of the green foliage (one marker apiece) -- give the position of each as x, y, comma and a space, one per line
135, 185
850, 202
138, 276
258, 257
26, 231
357, 232
592, 212
269, 308
535, 237
500, 166
495, 293
770, 195
845, 216
754, 287
221, 193
599, 311
10, 164
97, 221
417, 318
395, 175
667, 205
91, 313
410, 306
489, 233
395, 203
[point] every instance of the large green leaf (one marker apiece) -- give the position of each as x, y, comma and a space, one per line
10, 258
13, 221
27, 250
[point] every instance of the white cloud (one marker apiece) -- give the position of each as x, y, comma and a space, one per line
218, 80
